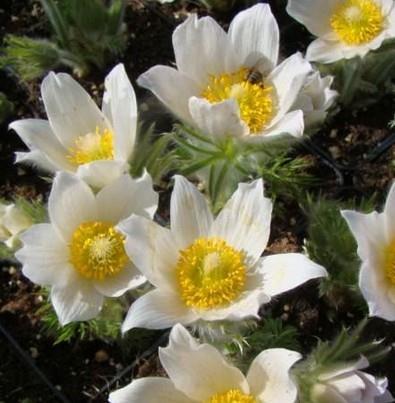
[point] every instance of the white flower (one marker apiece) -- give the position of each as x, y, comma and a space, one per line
348, 384
12, 222
375, 234
315, 98
199, 373
81, 254
206, 268
78, 137
229, 84
345, 28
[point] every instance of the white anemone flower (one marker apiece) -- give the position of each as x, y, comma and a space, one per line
12, 222
348, 384
345, 28
78, 137
199, 373
209, 269
80, 253
315, 99
375, 234
230, 84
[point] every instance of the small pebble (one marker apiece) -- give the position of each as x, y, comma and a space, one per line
101, 356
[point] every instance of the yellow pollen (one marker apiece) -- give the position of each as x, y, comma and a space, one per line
210, 273
389, 262
92, 147
255, 99
232, 396
97, 250
357, 21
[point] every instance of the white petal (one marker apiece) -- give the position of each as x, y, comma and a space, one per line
244, 222
218, 120
162, 81
126, 196
70, 203
246, 307
157, 310
199, 371
324, 51
389, 214
152, 249
368, 230
254, 33
326, 394
291, 124
269, 377
100, 173
77, 301
38, 135
44, 256
288, 79
15, 220
286, 271
190, 214
120, 107
376, 291
313, 14
36, 159
128, 279
71, 111
148, 390
201, 48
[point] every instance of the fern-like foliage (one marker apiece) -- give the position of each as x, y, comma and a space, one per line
331, 244
86, 33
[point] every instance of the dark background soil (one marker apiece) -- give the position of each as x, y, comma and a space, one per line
80, 371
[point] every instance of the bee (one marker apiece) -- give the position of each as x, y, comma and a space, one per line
254, 76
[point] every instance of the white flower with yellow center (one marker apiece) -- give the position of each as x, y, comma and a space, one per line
78, 137
229, 84
206, 268
12, 222
81, 253
199, 373
348, 384
375, 234
345, 28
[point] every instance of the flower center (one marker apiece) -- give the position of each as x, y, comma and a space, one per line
210, 273
232, 396
357, 21
92, 147
255, 99
389, 262
97, 250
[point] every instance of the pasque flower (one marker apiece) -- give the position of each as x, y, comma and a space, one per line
12, 222
78, 137
348, 384
345, 28
206, 268
315, 99
375, 234
199, 373
81, 253
230, 84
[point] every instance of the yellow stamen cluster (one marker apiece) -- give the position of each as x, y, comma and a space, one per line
211, 273
255, 99
97, 250
357, 21
232, 396
389, 262
92, 147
